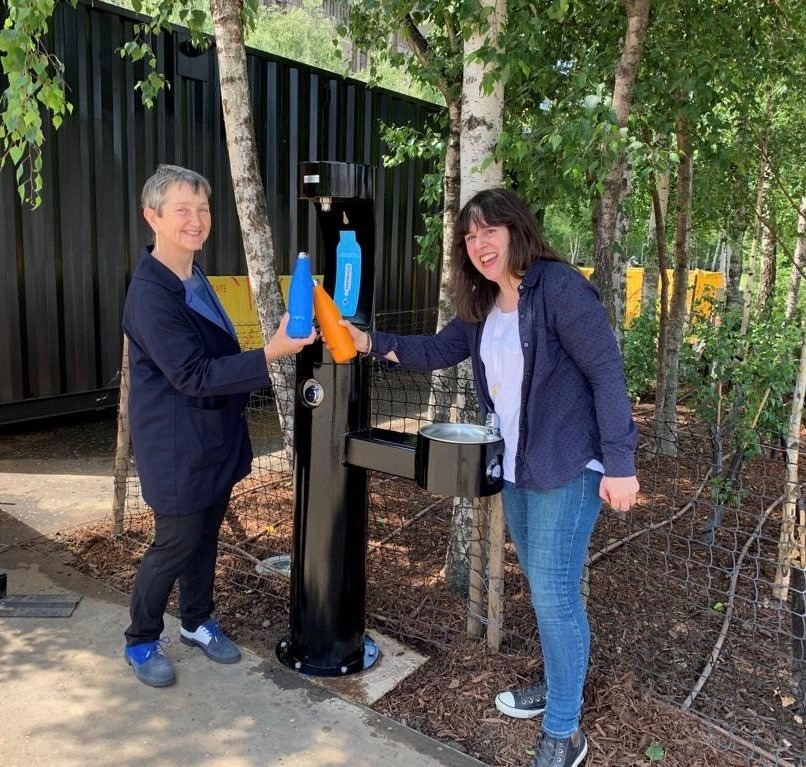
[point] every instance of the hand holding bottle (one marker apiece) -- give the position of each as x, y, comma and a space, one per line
338, 339
363, 342
282, 345
360, 337
300, 298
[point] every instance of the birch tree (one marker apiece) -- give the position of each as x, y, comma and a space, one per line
793, 290
32, 69
482, 121
250, 195
609, 263
665, 419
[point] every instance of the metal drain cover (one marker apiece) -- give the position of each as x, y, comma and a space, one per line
39, 605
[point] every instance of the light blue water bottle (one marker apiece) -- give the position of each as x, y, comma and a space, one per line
300, 298
348, 273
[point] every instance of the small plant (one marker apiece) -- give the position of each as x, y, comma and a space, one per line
641, 355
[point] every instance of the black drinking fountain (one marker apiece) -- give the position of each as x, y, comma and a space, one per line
335, 447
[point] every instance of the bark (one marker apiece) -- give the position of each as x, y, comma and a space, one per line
250, 195
733, 268
735, 235
666, 403
767, 271
791, 541
608, 278
793, 291
751, 266
122, 445
482, 119
797, 607
656, 231
443, 384
482, 113
663, 312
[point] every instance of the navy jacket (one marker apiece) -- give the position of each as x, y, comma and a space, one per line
574, 403
189, 387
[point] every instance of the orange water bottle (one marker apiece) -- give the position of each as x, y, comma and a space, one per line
337, 337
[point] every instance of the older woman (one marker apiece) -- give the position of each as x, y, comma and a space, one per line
190, 383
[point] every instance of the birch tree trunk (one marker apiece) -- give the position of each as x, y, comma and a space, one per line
482, 113
733, 269
608, 278
666, 401
482, 119
790, 576
655, 228
793, 291
751, 267
767, 271
443, 383
250, 196
791, 543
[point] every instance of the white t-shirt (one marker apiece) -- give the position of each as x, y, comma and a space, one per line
503, 365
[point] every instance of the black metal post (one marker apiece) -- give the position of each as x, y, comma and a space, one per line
328, 569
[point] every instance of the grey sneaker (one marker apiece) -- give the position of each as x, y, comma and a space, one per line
213, 641
560, 752
523, 703
149, 664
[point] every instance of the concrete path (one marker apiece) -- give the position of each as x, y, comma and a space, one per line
67, 699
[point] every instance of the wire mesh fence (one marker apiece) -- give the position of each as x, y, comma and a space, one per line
681, 591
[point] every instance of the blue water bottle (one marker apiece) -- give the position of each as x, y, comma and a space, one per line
300, 298
348, 273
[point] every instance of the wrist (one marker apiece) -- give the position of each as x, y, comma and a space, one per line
367, 344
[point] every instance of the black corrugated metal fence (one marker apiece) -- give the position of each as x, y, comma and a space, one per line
64, 267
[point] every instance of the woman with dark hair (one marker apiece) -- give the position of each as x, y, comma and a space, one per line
546, 363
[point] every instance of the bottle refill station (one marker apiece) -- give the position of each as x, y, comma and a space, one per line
334, 446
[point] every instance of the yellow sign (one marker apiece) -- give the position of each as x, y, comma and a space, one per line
700, 282
236, 298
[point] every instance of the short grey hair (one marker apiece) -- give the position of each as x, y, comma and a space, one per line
153, 194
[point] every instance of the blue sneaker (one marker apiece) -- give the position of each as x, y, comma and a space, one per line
213, 641
149, 663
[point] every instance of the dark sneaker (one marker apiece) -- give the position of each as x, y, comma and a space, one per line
560, 752
523, 703
149, 663
213, 641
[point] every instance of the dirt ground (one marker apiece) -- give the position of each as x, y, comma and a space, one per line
451, 696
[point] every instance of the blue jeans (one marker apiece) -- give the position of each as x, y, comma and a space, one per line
551, 531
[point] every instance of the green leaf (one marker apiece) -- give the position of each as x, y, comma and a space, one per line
719, 607
655, 752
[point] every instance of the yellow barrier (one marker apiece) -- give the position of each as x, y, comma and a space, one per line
236, 297
699, 282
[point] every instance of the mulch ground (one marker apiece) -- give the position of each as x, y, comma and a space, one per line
652, 613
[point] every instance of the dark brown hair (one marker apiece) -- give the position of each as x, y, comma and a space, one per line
473, 294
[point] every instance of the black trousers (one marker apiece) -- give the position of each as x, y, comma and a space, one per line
184, 548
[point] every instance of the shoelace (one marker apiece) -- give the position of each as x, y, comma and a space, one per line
157, 649
550, 752
210, 629
162, 641
533, 693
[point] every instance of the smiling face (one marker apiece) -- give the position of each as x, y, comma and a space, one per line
182, 223
488, 249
